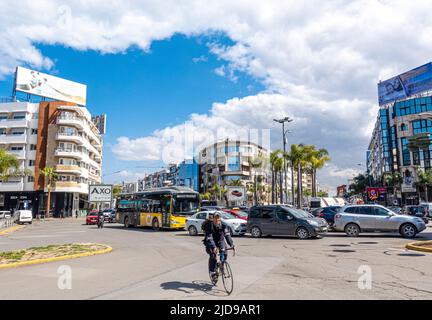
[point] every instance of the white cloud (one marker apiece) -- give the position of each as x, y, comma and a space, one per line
319, 60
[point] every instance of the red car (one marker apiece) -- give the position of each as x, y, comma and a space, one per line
92, 217
238, 213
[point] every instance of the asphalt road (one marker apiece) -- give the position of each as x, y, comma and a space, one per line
172, 265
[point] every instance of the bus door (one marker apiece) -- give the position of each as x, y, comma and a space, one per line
166, 200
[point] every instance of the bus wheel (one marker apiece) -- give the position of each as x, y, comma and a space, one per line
126, 222
155, 224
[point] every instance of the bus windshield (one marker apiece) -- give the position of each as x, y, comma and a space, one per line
185, 204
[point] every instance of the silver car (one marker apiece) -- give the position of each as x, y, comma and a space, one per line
353, 219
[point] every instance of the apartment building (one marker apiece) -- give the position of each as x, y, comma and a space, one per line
225, 161
50, 134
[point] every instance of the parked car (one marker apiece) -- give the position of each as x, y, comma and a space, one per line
417, 211
284, 220
236, 226
428, 206
5, 214
238, 213
396, 209
109, 215
23, 216
212, 208
92, 217
354, 219
326, 213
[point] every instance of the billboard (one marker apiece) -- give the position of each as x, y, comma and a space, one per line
406, 84
376, 194
100, 123
236, 194
100, 193
44, 85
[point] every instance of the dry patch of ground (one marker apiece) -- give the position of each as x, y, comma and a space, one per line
47, 252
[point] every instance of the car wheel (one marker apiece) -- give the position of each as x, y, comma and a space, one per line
193, 231
256, 232
126, 222
408, 230
352, 230
155, 224
302, 233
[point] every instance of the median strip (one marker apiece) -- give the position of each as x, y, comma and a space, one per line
423, 246
10, 230
51, 253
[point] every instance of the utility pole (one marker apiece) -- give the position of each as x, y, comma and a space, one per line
282, 121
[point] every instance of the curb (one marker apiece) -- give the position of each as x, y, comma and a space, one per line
10, 230
47, 260
417, 246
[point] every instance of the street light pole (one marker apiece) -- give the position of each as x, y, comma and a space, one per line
282, 121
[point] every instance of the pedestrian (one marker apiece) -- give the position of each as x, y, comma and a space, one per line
61, 213
76, 214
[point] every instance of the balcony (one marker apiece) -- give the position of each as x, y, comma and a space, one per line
13, 123
20, 154
71, 120
60, 168
69, 153
11, 186
73, 137
13, 138
70, 186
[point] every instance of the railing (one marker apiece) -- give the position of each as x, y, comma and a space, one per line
6, 222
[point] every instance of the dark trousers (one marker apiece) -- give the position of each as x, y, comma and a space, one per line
212, 257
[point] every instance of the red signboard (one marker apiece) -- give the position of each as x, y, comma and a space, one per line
376, 194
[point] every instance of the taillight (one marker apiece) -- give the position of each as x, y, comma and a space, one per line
337, 216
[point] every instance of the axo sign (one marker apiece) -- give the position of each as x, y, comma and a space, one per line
100, 193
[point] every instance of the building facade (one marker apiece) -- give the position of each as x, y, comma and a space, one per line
225, 161
53, 134
391, 150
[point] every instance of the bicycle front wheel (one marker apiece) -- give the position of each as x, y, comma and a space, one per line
227, 278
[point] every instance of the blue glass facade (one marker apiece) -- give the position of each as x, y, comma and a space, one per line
412, 106
188, 174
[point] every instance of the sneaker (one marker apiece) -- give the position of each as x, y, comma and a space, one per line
214, 277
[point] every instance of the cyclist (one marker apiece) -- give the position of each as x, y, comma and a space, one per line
216, 233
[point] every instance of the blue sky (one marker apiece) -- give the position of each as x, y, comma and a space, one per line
144, 91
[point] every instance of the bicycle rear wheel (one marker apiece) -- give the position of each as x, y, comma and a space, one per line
227, 278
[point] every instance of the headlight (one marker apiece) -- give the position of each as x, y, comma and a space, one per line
313, 222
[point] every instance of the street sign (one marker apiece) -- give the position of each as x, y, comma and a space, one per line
100, 193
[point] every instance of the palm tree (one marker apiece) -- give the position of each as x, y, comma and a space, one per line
256, 164
236, 183
50, 177
299, 157
10, 167
318, 159
425, 179
276, 164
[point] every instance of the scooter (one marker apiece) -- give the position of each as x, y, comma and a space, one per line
100, 223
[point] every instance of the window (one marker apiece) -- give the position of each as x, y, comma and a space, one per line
202, 216
403, 127
364, 210
267, 213
32, 147
18, 116
34, 132
17, 148
255, 213
381, 212
351, 210
233, 164
32, 163
283, 215
30, 179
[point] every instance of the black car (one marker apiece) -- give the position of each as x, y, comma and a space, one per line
284, 220
418, 211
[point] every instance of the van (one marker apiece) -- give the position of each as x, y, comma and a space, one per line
23, 216
284, 220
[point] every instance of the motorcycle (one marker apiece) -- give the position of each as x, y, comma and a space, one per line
100, 223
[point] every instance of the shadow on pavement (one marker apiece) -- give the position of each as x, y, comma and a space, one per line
193, 287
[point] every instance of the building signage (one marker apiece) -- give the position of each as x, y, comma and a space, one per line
236, 194
408, 183
100, 193
376, 194
405, 84
44, 85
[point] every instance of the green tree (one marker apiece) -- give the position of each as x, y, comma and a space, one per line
10, 167
393, 180
235, 183
425, 180
276, 165
50, 177
360, 182
318, 159
117, 189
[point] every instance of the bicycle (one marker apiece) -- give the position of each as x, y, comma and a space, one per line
223, 269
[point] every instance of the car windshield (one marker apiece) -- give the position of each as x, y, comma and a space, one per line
242, 213
298, 213
227, 216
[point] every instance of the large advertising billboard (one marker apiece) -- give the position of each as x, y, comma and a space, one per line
376, 194
405, 84
44, 85
236, 194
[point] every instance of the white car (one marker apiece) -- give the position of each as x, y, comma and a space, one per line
23, 216
5, 214
236, 226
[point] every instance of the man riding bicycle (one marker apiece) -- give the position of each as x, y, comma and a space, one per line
216, 233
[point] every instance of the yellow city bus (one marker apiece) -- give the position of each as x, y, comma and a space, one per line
166, 207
